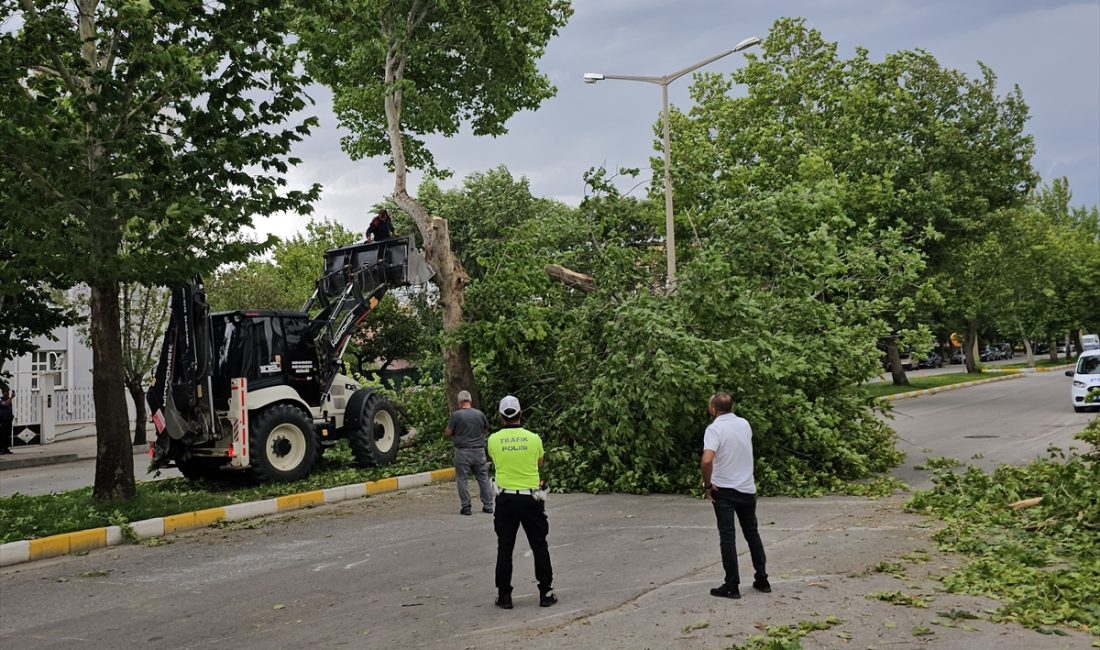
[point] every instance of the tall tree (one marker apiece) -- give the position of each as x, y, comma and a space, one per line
142, 140
400, 70
930, 151
287, 279
144, 317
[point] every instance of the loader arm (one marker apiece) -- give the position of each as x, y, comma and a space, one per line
355, 280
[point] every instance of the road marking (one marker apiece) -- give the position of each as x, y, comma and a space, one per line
355, 564
321, 567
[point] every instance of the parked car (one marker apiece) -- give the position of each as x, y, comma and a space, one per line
989, 353
1086, 379
933, 360
1006, 350
958, 357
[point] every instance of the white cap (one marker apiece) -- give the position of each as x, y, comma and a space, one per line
509, 406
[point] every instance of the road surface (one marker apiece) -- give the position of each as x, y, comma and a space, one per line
406, 571
48, 479
993, 424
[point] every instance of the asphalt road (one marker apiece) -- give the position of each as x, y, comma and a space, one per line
48, 479
405, 571
1011, 422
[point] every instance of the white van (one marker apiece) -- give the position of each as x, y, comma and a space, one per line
1086, 377
1090, 342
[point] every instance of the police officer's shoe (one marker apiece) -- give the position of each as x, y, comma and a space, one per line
504, 601
465, 510
547, 599
487, 509
762, 585
726, 591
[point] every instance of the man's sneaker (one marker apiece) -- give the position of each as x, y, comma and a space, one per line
547, 599
465, 510
725, 592
762, 585
504, 602
487, 509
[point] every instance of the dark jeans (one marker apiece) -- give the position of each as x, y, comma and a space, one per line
727, 503
512, 511
5, 433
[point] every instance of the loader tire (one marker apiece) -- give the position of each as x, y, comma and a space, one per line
372, 427
282, 444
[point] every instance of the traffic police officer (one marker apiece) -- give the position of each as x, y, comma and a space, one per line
517, 455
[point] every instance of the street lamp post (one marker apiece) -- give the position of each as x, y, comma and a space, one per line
663, 82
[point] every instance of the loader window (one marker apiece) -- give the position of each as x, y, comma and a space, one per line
267, 347
300, 363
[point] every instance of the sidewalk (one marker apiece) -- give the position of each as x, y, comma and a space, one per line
62, 451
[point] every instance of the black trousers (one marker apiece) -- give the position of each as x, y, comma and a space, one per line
513, 511
728, 503
5, 433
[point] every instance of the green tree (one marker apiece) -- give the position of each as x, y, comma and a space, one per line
141, 141
144, 317
287, 279
929, 151
402, 70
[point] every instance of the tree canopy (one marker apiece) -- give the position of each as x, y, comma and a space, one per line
140, 141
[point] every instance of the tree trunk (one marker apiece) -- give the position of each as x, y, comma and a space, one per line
1028, 350
450, 277
137, 393
1073, 339
972, 346
897, 373
114, 467
1052, 351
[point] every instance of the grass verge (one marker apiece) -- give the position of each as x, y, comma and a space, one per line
31, 517
1041, 561
1045, 362
884, 388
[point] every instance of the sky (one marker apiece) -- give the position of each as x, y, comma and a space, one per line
1049, 48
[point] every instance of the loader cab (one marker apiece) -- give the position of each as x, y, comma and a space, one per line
267, 347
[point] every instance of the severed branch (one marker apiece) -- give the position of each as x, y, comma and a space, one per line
585, 283
1026, 503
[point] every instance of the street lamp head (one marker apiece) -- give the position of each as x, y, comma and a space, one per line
746, 44
592, 77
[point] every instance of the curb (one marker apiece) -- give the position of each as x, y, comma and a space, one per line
87, 540
1053, 368
939, 389
37, 461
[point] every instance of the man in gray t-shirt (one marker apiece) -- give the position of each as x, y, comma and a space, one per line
468, 428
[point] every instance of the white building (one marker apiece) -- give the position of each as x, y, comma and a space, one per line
57, 376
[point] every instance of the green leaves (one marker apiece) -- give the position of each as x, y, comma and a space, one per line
1040, 561
443, 64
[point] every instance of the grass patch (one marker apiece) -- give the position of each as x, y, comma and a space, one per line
1039, 561
884, 388
1044, 362
31, 517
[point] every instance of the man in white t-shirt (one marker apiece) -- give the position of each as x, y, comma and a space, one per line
728, 481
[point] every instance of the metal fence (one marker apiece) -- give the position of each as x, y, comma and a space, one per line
70, 406
74, 405
27, 407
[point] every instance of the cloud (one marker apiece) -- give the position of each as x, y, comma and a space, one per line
1050, 49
